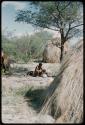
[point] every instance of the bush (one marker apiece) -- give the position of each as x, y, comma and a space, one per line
26, 47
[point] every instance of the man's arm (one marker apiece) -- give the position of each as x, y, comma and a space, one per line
36, 68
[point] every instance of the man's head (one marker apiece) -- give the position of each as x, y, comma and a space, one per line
40, 64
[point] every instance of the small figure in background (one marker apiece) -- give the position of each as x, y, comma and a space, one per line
5, 64
39, 71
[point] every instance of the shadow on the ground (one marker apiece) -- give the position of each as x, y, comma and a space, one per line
35, 98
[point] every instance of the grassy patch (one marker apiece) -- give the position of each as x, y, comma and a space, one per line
22, 91
6, 72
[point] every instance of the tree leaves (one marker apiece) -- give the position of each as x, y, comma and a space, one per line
62, 16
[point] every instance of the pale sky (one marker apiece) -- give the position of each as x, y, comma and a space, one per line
9, 10
8, 13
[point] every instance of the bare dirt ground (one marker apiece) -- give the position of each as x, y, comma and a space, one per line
16, 107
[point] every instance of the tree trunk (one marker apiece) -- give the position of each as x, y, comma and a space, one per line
62, 44
62, 52
63, 40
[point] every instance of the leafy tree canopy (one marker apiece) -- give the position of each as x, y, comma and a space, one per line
54, 15
62, 16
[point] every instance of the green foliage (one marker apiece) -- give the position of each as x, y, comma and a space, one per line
26, 47
54, 15
62, 16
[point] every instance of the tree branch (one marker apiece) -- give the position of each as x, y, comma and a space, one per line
66, 6
59, 11
71, 28
43, 27
68, 30
56, 20
57, 7
75, 26
52, 28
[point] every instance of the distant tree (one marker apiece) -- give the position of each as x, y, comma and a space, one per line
62, 16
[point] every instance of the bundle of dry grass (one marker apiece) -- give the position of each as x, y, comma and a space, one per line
64, 97
52, 51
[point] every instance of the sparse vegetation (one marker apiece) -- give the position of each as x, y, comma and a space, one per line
26, 47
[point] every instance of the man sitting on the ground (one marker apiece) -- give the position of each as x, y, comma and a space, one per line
38, 71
